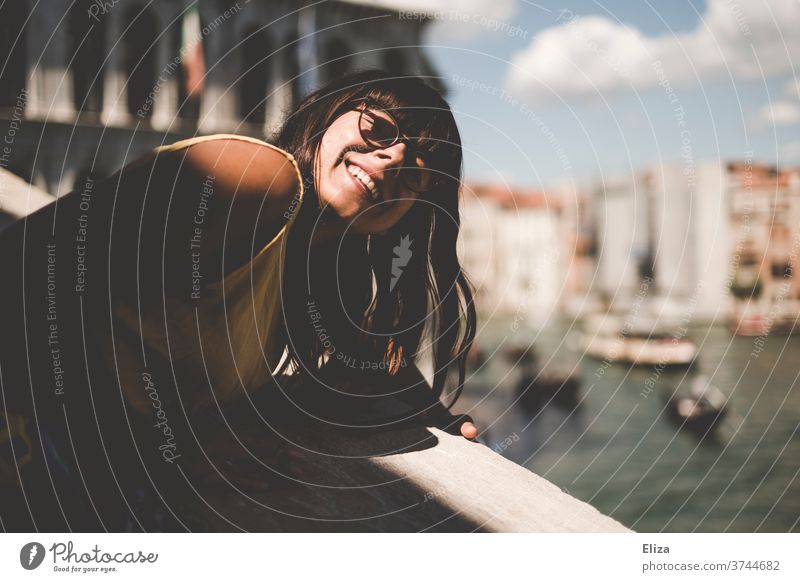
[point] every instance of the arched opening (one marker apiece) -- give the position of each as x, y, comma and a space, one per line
13, 56
139, 44
87, 46
338, 57
291, 64
395, 61
254, 75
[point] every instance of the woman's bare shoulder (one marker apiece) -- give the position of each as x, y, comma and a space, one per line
250, 188
247, 170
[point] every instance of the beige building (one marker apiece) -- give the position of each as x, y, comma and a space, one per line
527, 252
577, 235
622, 226
688, 233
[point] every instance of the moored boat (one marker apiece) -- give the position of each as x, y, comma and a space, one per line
641, 343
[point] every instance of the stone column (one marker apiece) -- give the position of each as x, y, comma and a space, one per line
278, 93
168, 69
218, 103
307, 50
49, 85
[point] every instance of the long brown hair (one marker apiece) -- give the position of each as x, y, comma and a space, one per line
340, 300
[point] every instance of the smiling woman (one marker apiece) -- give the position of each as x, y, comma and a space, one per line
393, 179
401, 135
198, 265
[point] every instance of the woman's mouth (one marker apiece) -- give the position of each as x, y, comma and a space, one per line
370, 192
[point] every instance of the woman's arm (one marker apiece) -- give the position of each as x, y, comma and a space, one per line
249, 191
414, 390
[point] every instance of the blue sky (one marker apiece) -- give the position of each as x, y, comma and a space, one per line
735, 85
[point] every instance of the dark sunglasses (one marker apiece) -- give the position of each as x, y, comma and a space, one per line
380, 129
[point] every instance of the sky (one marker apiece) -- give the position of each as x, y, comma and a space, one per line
586, 90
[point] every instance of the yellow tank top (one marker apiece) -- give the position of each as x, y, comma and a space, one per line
215, 346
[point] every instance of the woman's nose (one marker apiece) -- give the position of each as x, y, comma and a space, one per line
392, 156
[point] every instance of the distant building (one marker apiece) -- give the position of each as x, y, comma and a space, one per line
88, 85
622, 225
765, 224
577, 237
718, 243
511, 249
688, 237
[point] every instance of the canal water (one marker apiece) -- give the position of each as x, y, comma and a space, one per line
619, 450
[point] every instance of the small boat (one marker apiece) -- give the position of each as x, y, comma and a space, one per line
749, 325
775, 319
701, 410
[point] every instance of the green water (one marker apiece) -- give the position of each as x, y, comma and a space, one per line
619, 452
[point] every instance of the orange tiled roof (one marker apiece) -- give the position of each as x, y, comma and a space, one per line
508, 197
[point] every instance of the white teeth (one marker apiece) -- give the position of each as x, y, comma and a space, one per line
366, 180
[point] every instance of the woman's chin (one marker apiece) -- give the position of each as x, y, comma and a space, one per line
357, 216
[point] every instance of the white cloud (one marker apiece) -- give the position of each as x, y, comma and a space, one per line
792, 88
461, 21
585, 55
777, 113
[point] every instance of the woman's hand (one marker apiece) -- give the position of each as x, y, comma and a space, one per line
469, 430
460, 424
413, 389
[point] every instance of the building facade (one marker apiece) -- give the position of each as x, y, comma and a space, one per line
718, 244
88, 85
511, 248
764, 248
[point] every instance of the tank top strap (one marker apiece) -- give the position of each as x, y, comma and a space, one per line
185, 143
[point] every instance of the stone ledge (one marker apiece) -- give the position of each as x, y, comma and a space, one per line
410, 478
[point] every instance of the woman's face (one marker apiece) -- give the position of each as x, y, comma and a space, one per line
368, 205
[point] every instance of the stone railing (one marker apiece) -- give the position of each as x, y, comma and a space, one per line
406, 478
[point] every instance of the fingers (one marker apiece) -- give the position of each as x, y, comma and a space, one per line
469, 430
461, 424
